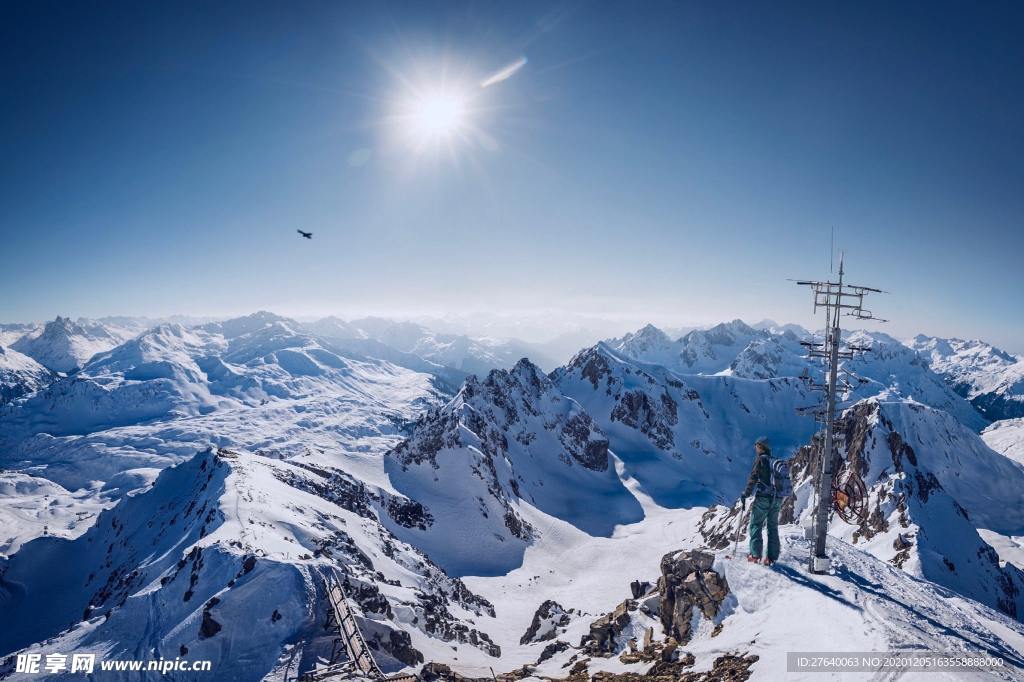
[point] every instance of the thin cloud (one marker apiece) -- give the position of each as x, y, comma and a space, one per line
504, 73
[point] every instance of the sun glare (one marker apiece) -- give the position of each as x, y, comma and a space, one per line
437, 115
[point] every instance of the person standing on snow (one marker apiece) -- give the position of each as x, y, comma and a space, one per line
764, 484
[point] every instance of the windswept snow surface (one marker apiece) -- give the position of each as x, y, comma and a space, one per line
1007, 437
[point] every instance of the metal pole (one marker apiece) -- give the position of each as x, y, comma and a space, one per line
819, 559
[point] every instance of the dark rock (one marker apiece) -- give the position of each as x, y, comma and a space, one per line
689, 584
602, 639
639, 588
550, 616
210, 627
556, 647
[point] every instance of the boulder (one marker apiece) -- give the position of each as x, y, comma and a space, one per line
604, 632
689, 584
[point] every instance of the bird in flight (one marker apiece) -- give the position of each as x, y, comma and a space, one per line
307, 235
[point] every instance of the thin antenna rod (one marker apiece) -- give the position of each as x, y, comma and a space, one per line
832, 252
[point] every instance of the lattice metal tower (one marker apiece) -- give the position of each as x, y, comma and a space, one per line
836, 299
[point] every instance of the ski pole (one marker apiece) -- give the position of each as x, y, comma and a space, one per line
736, 545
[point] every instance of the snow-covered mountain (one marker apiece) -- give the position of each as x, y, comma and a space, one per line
776, 328
492, 522
685, 439
64, 345
502, 447
992, 379
738, 350
171, 371
701, 351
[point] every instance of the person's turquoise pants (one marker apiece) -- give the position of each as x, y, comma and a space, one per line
765, 511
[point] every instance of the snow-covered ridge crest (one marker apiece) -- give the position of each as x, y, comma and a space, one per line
684, 438
738, 350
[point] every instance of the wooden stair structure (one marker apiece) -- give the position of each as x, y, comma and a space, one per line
360, 663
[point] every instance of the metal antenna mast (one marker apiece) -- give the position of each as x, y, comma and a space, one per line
837, 299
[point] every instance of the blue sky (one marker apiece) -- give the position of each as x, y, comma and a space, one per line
675, 161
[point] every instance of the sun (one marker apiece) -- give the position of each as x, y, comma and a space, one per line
437, 115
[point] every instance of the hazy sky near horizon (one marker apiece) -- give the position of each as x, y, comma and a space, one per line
671, 161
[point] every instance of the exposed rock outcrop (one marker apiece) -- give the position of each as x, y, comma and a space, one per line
550, 616
604, 636
689, 585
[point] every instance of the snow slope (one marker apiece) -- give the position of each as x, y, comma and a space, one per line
31, 506
931, 482
20, 375
1006, 437
865, 605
